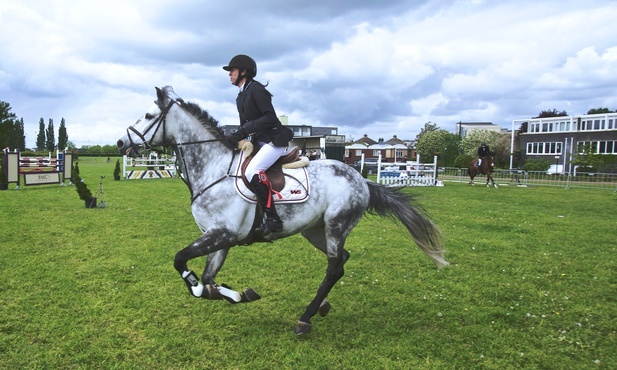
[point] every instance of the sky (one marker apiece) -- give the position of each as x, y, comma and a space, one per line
380, 68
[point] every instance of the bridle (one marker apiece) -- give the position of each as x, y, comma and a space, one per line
161, 122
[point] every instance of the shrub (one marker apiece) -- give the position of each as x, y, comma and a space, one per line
117, 170
462, 161
80, 185
537, 165
365, 172
3, 178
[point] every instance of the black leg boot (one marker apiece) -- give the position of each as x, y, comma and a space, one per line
264, 197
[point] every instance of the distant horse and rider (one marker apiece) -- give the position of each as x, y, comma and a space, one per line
483, 165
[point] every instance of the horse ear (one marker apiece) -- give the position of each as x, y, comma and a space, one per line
162, 97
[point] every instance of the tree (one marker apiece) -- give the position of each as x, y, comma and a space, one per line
523, 128
63, 138
20, 135
7, 119
50, 140
430, 142
551, 113
599, 111
428, 127
40, 138
449, 149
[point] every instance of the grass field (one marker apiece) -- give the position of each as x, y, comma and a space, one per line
532, 285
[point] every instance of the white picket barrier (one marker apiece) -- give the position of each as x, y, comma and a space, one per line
407, 173
150, 167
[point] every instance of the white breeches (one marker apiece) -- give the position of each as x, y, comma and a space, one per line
265, 157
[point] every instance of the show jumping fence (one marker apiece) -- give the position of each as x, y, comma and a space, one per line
148, 167
407, 173
38, 170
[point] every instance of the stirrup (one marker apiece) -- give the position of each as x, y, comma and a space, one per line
273, 225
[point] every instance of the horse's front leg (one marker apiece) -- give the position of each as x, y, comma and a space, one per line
215, 243
211, 290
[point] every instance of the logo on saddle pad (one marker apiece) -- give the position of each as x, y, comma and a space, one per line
290, 185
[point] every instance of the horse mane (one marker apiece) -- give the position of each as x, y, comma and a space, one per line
208, 122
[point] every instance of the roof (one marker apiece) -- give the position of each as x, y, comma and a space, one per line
395, 140
366, 140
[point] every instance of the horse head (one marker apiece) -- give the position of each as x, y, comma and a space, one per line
150, 129
174, 122
490, 160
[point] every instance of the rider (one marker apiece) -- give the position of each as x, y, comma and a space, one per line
483, 151
268, 135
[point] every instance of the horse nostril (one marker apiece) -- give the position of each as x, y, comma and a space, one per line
120, 144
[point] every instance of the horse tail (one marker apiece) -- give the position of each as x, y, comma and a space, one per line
392, 202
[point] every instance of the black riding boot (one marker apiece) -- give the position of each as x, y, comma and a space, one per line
264, 198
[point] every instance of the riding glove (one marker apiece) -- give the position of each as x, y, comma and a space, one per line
237, 135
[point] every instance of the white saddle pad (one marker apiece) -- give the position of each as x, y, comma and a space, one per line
296, 188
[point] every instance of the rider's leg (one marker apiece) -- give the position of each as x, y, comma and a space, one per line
479, 162
265, 157
261, 188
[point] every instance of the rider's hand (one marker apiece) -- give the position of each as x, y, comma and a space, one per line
237, 135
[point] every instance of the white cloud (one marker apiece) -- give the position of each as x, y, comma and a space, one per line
377, 68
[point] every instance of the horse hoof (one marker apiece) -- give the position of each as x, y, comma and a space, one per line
303, 328
324, 308
249, 295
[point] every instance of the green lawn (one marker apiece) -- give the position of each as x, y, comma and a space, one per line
532, 285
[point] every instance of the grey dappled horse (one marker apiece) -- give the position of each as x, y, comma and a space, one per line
339, 196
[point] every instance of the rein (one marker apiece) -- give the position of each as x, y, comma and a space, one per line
161, 121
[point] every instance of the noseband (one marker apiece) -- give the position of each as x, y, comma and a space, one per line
156, 125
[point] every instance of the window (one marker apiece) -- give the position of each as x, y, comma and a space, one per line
607, 147
545, 148
591, 146
358, 152
376, 153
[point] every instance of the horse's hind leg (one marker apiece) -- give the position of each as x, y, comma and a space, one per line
334, 272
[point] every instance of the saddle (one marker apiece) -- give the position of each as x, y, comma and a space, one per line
275, 172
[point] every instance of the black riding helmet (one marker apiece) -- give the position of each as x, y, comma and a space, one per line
245, 62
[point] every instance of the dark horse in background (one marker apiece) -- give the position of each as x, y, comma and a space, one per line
486, 168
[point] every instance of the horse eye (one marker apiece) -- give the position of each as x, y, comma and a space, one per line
149, 116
